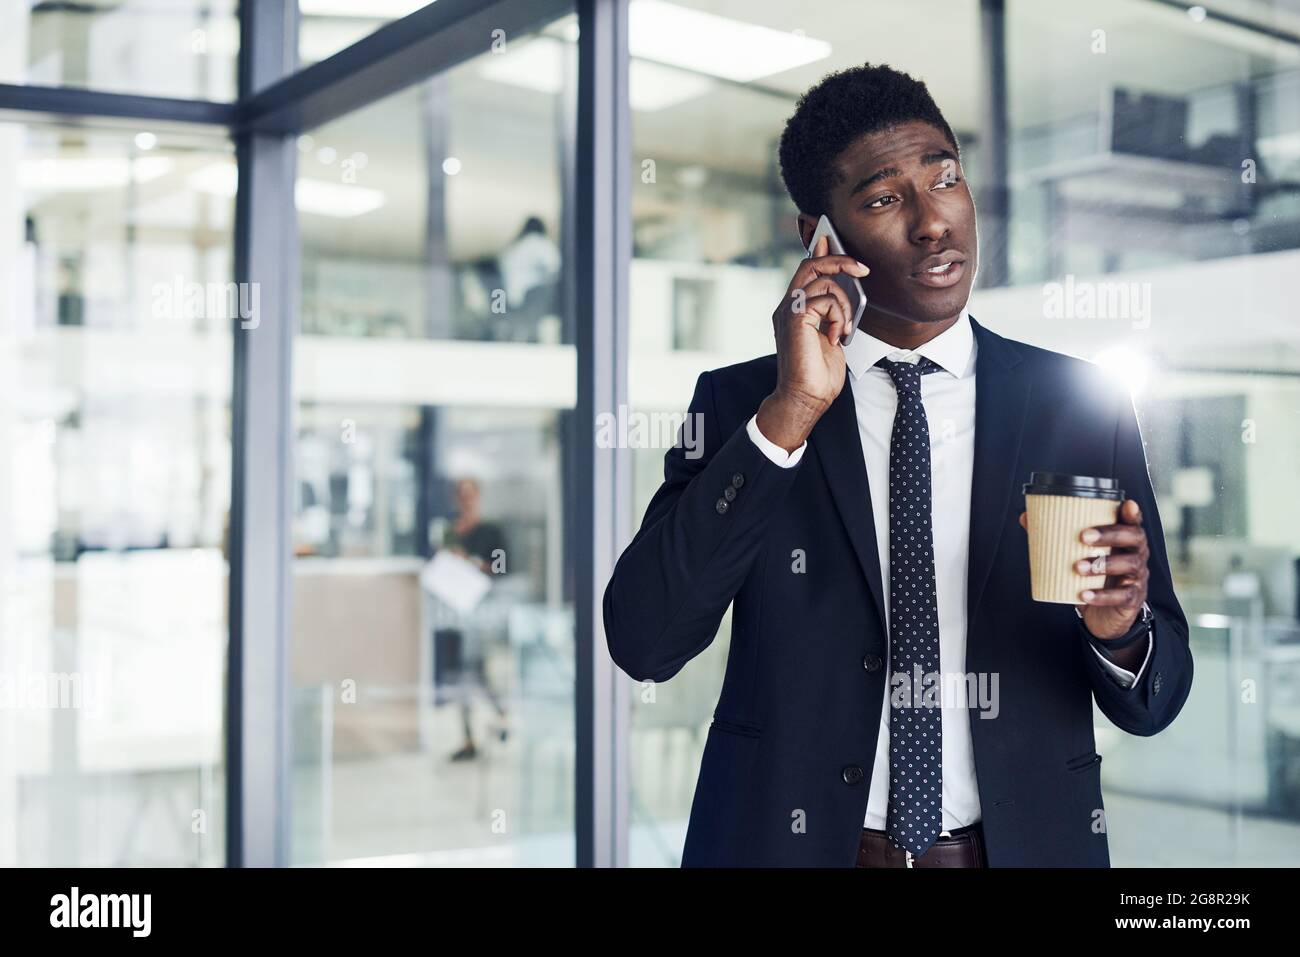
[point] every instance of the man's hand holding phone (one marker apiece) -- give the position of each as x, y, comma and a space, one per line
808, 325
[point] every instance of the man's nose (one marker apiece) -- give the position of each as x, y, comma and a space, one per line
931, 225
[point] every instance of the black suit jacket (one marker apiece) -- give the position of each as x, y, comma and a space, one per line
787, 763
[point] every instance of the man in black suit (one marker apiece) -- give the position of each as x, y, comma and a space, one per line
845, 489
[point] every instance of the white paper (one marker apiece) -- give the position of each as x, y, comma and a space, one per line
454, 580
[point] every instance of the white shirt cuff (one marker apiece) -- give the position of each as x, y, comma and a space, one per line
778, 455
1123, 675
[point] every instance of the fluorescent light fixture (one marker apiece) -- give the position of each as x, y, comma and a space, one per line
368, 9
336, 199
714, 45
318, 196
538, 64
534, 64
654, 87
216, 179
69, 173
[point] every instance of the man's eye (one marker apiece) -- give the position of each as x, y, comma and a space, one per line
877, 202
953, 181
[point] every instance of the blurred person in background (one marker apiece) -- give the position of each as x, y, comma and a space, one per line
530, 270
483, 543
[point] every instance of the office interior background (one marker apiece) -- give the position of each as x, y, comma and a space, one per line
219, 526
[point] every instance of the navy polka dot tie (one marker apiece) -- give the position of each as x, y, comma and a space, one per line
915, 810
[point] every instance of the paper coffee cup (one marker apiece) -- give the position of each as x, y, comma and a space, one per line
1060, 507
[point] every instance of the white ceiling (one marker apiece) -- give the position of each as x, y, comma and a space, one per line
506, 139
504, 135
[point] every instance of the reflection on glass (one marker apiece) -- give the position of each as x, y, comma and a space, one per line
1154, 190
434, 214
182, 48
433, 661
115, 346
1138, 163
1159, 178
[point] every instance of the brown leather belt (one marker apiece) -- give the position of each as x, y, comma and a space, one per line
961, 847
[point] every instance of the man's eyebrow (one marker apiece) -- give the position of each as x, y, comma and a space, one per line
875, 177
929, 159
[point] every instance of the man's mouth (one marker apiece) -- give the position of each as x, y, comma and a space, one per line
941, 271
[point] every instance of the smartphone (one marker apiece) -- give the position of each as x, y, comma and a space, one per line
849, 283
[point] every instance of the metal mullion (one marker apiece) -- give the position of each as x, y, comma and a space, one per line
603, 241
50, 101
259, 699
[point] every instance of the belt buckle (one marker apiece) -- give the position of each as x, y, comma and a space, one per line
911, 859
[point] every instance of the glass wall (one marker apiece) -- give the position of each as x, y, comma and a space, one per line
433, 661
1155, 176
714, 246
1152, 153
177, 48
1154, 158
114, 491
1149, 138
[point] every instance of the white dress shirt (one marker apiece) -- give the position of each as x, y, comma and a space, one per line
949, 400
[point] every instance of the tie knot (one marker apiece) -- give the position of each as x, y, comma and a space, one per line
907, 375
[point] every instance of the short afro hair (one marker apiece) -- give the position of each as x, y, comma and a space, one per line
844, 106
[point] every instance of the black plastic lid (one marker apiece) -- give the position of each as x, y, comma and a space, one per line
1082, 486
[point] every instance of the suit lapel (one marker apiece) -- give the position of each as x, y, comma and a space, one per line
838, 446
1001, 398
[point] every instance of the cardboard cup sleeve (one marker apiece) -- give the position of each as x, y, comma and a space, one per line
1055, 519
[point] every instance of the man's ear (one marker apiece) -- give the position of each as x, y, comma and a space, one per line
807, 226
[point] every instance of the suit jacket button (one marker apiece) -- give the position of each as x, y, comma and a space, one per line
1155, 685
737, 480
729, 494
852, 774
721, 506
871, 662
